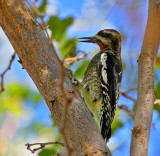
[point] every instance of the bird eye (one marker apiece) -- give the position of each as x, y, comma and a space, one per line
99, 41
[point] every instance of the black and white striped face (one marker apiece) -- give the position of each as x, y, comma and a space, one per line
109, 38
106, 39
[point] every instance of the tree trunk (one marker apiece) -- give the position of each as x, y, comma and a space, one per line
40, 61
146, 93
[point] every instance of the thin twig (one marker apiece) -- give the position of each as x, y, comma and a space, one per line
66, 100
8, 68
34, 3
127, 96
62, 77
126, 109
68, 61
39, 14
78, 58
78, 51
129, 90
42, 145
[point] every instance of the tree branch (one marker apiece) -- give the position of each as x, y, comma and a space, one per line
124, 93
146, 94
126, 109
8, 68
68, 61
32, 46
41, 145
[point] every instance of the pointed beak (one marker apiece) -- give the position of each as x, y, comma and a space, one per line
87, 39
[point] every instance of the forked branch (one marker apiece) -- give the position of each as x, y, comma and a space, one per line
5, 71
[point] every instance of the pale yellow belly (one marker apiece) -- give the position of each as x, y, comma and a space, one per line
94, 107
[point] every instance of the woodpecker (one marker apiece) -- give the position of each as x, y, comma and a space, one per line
102, 79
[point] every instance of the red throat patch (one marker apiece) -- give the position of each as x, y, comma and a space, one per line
101, 46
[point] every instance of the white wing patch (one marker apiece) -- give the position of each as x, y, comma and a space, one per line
104, 75
104, 68
103, 59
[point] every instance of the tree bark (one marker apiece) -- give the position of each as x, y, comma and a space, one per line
146, 93
32, 46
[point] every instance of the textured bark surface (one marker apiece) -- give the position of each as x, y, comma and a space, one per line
31, 44
146, 72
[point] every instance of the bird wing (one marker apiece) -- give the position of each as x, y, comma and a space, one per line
110, 68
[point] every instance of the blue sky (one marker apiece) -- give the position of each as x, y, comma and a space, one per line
128, 17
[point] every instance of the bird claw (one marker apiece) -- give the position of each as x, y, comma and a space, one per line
74, 81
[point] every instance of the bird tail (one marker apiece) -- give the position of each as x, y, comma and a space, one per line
105, 125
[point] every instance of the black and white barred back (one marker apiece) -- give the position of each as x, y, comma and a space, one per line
111, 75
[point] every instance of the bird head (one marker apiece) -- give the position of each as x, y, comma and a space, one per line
105, 39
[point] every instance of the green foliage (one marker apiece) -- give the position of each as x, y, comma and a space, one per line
157, 108
116, 124
42, 8
53, 120
134, 110
158, 62
14, 96
66, 46
44, 130
37, 127
25, 92
80, 71
36, 98
123, 65
58, 27
157, 89
17, 90
47, 152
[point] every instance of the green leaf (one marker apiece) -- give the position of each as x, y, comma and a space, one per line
66, 46
24, 92
80, 71
47, 152
157, 62
42, 8
123, 65
157, 108
157, 90
18, 89
58, 26
37, 127
116, 125
14, 96
12, 99
54, 121
34, 97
